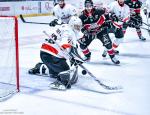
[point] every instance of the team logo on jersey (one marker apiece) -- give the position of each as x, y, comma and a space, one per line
96, 16
58, 32
94, 25
85, 20
74, 10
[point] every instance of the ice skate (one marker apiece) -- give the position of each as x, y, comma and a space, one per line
116, 52
57, 85
104, 53
142, 38
115, 61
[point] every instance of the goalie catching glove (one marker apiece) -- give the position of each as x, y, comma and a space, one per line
75, 62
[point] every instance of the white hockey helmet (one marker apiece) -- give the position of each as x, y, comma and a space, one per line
75, 23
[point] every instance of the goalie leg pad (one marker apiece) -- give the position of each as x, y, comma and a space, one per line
68, 77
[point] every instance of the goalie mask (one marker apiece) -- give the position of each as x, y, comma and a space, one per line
75, 23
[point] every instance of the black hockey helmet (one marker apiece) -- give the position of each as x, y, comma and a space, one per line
88, 2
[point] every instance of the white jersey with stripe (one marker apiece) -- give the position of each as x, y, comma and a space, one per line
64, 14
66, 38
122, 12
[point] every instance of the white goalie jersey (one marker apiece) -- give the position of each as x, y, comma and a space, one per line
64, 14
66, 38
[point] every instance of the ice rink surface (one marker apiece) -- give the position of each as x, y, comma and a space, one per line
86, 97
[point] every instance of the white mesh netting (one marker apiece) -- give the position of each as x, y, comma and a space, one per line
8, 79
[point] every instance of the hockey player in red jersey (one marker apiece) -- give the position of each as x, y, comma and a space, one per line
54, 57
95, 26
135, 17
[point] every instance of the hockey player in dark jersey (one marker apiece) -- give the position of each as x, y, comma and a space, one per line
95, 26
135, 17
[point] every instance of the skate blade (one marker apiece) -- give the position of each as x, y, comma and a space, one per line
62, 88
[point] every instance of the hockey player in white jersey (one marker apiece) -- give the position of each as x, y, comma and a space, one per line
119, 15
62, 12
147, 8
148, 5
54, 58
147, 14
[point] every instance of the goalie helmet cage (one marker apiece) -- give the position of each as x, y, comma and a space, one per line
9, 57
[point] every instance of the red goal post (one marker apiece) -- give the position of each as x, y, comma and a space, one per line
9, 56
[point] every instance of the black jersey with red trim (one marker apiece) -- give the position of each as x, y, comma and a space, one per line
134, 5
94, 20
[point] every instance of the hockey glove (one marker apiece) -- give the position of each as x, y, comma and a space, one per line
53, 23
113, 17
137, 19
75, 62
131, 24
84, 31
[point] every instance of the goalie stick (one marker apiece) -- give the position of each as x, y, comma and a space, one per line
84, 68
24, 21
100, 82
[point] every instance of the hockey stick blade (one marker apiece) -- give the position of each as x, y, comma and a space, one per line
100, 82
24, 21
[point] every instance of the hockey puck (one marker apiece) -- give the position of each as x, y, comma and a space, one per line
84, 72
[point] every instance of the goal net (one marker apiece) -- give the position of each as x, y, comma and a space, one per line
9, 62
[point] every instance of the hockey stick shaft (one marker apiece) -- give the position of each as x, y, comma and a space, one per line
95, 79
100, 82
24, 21
148, 24
142, 22
145, 28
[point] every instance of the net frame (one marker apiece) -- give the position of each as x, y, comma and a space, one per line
6, 94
